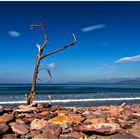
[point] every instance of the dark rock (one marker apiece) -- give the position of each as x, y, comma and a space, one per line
3, 128
54, 108
6, 118
10, 136
72, 135
104, 128
8, 109
20, 129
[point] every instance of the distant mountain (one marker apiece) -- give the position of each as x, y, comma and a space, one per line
112, 81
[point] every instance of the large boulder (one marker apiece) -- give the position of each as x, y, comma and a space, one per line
104, 128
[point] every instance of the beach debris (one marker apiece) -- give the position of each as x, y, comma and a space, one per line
6, 118
49, 98
104, 128
20, 129
3, 128
1, 109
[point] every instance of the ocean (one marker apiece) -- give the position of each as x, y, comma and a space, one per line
71, 95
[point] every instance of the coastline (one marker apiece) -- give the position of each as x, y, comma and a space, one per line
44, 121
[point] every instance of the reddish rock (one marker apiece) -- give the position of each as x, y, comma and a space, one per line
26, 108
135, 130
113, 111
111, 119
126, 113
10, 136
6, 118
72, 135
94, 121
3, 128
37, 124
20, 129
50, 131
120, 135
44, 113
104, 128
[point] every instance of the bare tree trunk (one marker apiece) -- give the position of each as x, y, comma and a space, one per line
31, 95
32, 92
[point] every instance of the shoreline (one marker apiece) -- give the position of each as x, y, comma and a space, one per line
43, 121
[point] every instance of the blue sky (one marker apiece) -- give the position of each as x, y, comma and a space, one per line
108, 40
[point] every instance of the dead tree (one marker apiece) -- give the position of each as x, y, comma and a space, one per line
40, 56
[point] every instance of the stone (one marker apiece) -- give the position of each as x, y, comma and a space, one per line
50, 131
135, 130
126, 113
44, 113
66, 125
94, 121
3, 128
113, 111
23, 121
72, 135
104, 128
1, 109
111, 120
46, 117
20, 129
26, 108
37, 124
6, 118
10, 136
120, 135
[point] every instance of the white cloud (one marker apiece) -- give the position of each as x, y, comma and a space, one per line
105, 66
14, 33
52, 65
128, 59
93, 27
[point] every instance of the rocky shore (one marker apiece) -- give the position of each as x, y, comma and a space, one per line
42, 121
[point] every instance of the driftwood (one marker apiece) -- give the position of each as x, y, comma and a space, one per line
40, 56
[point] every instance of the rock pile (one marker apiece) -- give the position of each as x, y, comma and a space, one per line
40, 121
